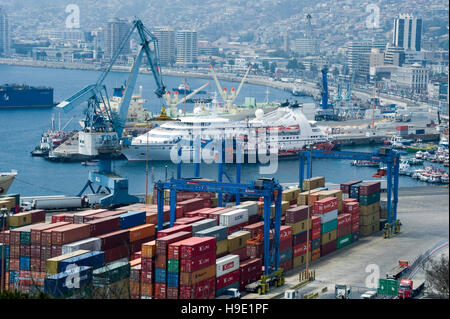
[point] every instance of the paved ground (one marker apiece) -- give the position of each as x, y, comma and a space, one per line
423, 212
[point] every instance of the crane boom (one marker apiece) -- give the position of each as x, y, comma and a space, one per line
224, 97
242, 83
192, 94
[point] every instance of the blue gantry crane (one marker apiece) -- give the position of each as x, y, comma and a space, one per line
102, 132
326, 111
384, 155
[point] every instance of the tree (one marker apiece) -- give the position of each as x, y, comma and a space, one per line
231, 61
266, 65
437, 278
273, 67
292, 64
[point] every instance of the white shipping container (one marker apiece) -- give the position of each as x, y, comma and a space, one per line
251, 206
327, 217
234, 217
92, 244
227, 264
203, 224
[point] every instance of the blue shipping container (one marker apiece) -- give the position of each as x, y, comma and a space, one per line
132, 219
68, 282
285, 255
355, 236
4, 250
172, 279
24, 263
94, 259
13, 276
220, 232
315, 243
222, 291
160, 275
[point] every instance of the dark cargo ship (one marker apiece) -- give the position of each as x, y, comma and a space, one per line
20, 95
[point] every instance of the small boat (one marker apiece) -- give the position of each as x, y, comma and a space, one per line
404, 168
413, 148
89, 163
361, 163
444, 179
414, 161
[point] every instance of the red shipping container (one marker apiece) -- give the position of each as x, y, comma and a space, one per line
116, 253
355, 227
301, 238
187, 220
115, 239
35, 251
104, 225
251, 268
241, 252
173, 252
70, 233
297, 214
5, 237
199, 262
345, 187
14, 251
172, 292
202, 290
315, 233
287, 265
325, 205
36, 232
56, 250
285, 232
255, 250
236, 228
25, 250
14, 263
355, 217
328, 248
350, 200
161, 261
350, 207
344, 219
315, 222
147, 263
285, 244
37, 216
108, 213
255, 228
176, 229
162, 244
197, 245
369, 188
59, 217
344, 230
46, 253
227, 279
300, 249
160, 291
253, 219
147, 276
402, 127
35, 264
136, 246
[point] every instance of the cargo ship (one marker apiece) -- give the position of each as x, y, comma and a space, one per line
22, 96
6, 179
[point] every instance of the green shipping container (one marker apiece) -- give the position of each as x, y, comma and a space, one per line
111, 273
369, 199
327, 227
388, 287
25, 237
344, 241
173, 266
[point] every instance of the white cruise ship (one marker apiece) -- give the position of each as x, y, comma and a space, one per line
294, 132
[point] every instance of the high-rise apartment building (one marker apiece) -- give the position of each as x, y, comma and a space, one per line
407, 32
358, 57
115, 31
4, 33
187, 50
166, 44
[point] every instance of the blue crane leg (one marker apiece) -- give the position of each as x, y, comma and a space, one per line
301, 171
238, 169
389, 192
267, 210
160, 211
173, 206
179, 164
396, 177
276, 244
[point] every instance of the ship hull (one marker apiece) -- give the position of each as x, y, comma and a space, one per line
5, 183
25, 97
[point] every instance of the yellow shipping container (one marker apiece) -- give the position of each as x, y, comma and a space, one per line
300, 260
149, 249
365, 210
369, 219
7, 204
221, 247
327, 237
238, 240
300, 227
187, 278
20, 219
290, 194
369, 229
383, 213
302, 198
314, 182
51, 264
214, 202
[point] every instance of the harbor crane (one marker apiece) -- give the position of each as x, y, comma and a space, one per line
229, 97
172, 100
103, 129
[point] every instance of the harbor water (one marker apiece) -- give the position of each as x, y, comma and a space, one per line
21, 129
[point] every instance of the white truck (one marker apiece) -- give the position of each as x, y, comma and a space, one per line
231, 293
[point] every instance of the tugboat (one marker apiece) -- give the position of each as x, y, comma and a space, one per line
51, 139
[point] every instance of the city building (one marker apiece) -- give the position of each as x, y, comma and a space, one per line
407, 32
65, 35
394, 55
358, 57
207, 49
412, 78
166, 44
376, 58
5, 41
187, 50
305, 47
115, 31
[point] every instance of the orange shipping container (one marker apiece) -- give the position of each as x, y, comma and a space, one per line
142, 231
191, 278
146, 290
135, 288
151, 218
312, 198
135, 262
149, 249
